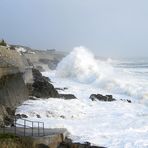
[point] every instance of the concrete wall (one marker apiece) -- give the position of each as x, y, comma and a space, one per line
13, 75
12, 62
13, 90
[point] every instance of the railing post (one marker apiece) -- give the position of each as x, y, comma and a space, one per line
32, 128
38, 129
24, 127
43, 130
15, 125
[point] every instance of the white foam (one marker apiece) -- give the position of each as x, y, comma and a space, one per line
111, 124
81, 65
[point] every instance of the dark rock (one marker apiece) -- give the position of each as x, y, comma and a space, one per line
69, 144
129, 101
67, 96
32, 98
109, 98
100, 97
62, 116
65, 88
41, 88
20, 116
24, 116
47, 79
38, 116
59, 89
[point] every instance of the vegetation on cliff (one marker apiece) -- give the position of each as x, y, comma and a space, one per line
3, 43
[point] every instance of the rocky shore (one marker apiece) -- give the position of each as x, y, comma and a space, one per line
21, 79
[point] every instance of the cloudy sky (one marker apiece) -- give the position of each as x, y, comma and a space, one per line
107, 27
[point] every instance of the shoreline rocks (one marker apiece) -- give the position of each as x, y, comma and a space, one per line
68, 143
106, 98
67, 96
41, 87
100, 97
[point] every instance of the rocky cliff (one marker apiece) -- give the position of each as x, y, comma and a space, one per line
41, 88
13, 90
18, 81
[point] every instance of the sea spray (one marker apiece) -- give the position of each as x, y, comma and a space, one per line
82, 66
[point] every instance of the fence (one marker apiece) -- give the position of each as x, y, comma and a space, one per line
27, 128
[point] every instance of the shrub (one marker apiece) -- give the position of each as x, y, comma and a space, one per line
3, 43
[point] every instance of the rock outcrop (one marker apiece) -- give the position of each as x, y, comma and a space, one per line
108, 98
100, 97
67, 96
68, 143
41, 87
13, 90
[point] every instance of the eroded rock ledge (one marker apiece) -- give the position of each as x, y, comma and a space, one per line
41, 87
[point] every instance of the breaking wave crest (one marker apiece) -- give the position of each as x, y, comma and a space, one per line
82, 66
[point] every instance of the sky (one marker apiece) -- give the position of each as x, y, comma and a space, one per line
111, 28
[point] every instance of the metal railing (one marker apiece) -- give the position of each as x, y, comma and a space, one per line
27, 128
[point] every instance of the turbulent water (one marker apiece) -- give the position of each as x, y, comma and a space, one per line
115, 124
122, 77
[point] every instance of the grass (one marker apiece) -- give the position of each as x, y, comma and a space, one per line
13, 141
8, 136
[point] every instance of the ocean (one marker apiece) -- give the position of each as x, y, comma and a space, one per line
116, 124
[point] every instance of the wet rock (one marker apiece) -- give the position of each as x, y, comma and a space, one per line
41, 87
129, 101
38, 116
69, 144
20, 116
68, 96
109, 98
32, 98
126, 100
65, 88
62, 116
100, 97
